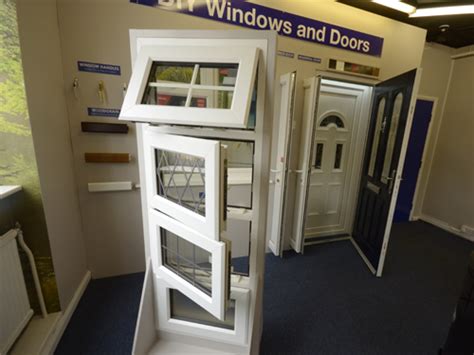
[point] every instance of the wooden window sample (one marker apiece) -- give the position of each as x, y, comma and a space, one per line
107, 157
102, 127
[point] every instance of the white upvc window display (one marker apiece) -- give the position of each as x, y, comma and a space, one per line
192, 85
184, 178
183, 316
196, 266
201, 95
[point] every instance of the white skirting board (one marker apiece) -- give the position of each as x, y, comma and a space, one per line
446, 226
53, 341
145, 333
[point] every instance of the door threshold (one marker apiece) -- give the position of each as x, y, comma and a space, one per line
327, 239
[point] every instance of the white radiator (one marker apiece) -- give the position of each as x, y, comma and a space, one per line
15, 310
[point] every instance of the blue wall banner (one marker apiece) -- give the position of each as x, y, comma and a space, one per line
246, 14
103, 112
307, 58
98, 68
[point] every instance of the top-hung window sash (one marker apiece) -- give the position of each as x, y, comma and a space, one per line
197, 93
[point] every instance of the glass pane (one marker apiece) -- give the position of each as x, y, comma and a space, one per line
253, 108
338, 159
187, 260
170, 83
182, 308
334, 120
319, 156
217, 74
238, 232
181, 179
212, 98
165, 96
239, 173
171, 72
392, 136
377, 133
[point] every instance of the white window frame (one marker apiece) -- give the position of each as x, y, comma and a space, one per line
235, 117
214, 304
209, 150
237, 336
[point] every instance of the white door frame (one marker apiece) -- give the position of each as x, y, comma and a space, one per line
425, 168
280, 170
311, 85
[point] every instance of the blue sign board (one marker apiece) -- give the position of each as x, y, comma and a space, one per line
103, 112
98, 68
246, 14
286, 54
307, 58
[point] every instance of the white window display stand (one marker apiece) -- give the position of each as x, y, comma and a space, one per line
190, 129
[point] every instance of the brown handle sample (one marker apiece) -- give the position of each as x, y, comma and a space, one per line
107, 157
102, 127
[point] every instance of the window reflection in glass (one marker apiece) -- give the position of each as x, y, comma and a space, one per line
187, 260
181, 179
201, 85
319, 156
338, 157
239, 173
182, 308
211, 98
377, 133
171, 72
392, 136
332, 120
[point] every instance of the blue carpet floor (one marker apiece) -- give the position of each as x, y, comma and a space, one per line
325, 302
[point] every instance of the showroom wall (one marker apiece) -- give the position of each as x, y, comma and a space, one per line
106, 228
98, 32
41, 57
436, 65
449, 197
18, 164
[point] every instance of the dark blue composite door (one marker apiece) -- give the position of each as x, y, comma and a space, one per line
411, 168
391, 104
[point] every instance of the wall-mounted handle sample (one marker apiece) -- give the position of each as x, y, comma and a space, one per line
110, 186
101, 92
75, 88
107, 157
101, 127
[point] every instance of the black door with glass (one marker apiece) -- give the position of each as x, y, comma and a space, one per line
387, 127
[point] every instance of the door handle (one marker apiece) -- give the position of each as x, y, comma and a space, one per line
275, 171
391, 180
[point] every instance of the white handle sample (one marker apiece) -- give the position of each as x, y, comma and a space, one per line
110, 186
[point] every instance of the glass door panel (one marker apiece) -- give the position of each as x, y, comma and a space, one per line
392, 135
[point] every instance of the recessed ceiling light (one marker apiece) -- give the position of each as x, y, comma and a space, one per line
444, 10
396, 5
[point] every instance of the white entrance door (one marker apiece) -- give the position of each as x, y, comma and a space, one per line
280, 170
310, 101
340, 132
